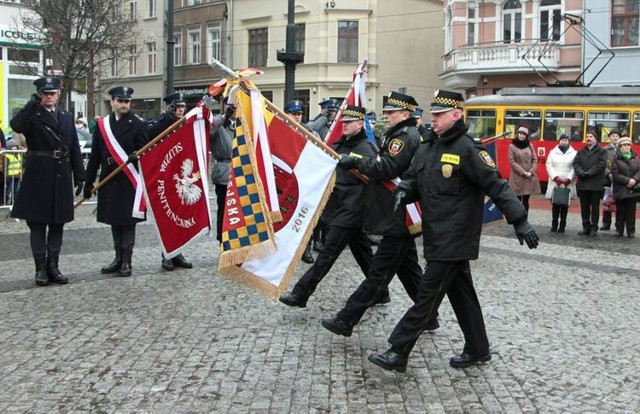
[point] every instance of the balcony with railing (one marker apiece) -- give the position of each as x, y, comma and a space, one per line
464, 66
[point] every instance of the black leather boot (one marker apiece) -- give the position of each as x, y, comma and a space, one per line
125, 270
306, 255
167, 264
41, 270
114, 266
180, 261
54, 273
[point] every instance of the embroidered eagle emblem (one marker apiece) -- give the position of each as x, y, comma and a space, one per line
186, 187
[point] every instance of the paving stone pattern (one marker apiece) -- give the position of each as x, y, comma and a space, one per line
562, 321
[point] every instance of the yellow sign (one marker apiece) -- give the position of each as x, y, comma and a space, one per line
450, 158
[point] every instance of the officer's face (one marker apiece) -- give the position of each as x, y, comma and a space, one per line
392, 118
441, 122
49, 99
120, 106
180, 110
297, 116
351, 128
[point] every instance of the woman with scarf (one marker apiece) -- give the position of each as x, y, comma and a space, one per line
625, 170
560, 170
523, 179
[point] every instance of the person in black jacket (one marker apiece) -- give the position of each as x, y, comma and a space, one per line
115, 140
590, 164
625, 171
176, 107
397, 252
450, 175
53, 164
345, 207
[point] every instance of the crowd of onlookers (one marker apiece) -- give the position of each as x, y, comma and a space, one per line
592, 174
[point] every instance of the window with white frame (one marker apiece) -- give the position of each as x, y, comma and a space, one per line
300, 36
151, 8
625, 20
512, 22
472, 23
194, 46
214, 32
132, 60
177, 49
550, 19
151, 58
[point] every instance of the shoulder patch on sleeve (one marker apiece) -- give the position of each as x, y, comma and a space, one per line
486, 158
395, 146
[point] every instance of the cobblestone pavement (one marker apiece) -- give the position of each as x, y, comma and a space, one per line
562, 320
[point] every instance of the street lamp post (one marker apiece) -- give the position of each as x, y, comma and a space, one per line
290, 57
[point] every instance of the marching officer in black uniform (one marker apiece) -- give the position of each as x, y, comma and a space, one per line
422, 130
125, 134
176, 107
450, 175
53, 164
345, 208
321, 123
397, 252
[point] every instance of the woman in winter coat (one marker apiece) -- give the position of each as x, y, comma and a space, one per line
560, 170
625, 170
523, 179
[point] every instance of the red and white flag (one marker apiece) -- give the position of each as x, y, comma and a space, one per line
175, 176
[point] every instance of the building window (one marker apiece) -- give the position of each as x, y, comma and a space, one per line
624, 22
213, 41
512, 22
472, 35
151, 8
258, 47
194, 46
114, 63
348, 41
132, 10
550, 19
132, 60
195, 2
177, 49
151, 57
300, 36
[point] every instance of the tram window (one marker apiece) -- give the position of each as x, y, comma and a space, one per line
481, 123
604, 121
558, 122
636, 128
527, 118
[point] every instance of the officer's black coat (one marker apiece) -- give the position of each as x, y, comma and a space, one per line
157, 126
116, 197
401, 143
346, 205
46, 190
450, 176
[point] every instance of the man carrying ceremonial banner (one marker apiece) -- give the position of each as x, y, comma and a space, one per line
304, 172
176, 183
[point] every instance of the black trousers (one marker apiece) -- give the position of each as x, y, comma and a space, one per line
395, 255
626, 215
524, 199
454, 280
590, 207
337, 239
559, 212
43, 243
124, 237
221, 195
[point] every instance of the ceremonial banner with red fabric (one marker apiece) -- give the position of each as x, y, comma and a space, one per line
304, 177
175, 176
355, 96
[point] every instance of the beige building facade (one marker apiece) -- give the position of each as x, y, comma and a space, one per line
485, 42
402, 42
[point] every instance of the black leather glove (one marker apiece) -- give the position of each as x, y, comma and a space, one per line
88, 187
526, 233
132, 157
36, 98
228, 114
399, 200
347, 162
78, 185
